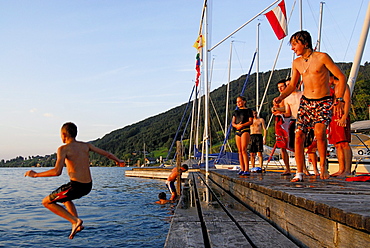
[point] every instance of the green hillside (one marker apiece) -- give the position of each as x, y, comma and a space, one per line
157, 132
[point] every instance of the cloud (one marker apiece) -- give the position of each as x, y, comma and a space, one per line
48, 115
34, 110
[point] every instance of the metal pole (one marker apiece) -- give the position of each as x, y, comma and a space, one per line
360, 49
228, 89
320, 27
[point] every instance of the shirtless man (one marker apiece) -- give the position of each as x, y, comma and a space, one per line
281, 127
257, 140
170, 183
340, 133
75, 155
291, 111
316, 103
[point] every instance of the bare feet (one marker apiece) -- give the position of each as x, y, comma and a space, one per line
78, 227
344, 174
324, 175
286, 173
338, 173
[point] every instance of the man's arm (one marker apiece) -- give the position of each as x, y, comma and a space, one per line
347, 107
264, 131
341, 83
56, 171
105, 154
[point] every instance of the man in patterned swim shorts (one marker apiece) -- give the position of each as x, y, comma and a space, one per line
313, 68
313, 111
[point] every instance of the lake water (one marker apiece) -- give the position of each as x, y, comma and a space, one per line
118, 212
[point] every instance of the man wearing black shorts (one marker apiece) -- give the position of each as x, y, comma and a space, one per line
257, 139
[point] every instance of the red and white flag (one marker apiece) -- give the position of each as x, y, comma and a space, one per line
278, 21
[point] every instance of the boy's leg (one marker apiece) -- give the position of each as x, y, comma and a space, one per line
253, 159
70, 206
299, 155
62, 212
260, 158
322, 144
285, 157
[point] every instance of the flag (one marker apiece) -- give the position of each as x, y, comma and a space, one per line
197, 68
199, 43
278, 21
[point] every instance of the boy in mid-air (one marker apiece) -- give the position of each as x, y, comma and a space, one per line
75, 155
172, 178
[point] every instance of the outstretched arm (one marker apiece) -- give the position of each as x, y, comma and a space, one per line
106, 154
56, 171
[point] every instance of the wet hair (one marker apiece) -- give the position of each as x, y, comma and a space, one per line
70, 128
185, 166
162, 196
304, 37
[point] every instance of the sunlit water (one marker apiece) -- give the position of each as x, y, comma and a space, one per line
118, 212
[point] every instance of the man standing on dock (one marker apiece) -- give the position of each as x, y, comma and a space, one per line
340, 133
281, 128
316, 104
257, 139
170, 183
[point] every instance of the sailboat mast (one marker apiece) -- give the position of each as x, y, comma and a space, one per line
206, 88
360, 49
227, 90
320, 27
257, 64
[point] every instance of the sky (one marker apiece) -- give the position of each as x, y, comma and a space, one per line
107, 64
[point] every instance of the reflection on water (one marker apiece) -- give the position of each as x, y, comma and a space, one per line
119, 211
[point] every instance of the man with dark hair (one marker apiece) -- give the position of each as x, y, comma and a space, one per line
75, 155
316, 104
162, 198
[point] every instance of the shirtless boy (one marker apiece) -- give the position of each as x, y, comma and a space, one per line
316, 104
340, 133
170, 183
75, 155
257, 140
162, 198
281, 128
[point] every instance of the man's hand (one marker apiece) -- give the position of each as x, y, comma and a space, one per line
30, 173
339, 109
276, 101
121, 163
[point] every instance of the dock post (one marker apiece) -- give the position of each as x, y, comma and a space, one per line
178, 165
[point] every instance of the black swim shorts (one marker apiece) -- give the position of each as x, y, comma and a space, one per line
70, 191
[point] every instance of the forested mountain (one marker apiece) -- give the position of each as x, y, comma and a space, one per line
158, 132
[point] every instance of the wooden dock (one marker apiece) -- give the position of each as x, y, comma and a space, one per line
267, 210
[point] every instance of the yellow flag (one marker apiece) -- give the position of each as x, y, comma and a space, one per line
199, 43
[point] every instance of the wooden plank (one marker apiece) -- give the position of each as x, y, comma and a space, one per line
259, 231
184, 234
224, 234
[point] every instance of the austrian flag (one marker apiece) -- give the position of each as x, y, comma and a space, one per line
278, 21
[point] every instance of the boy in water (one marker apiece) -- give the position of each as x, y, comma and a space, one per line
316, 104
170, 183
162, 198
75, 155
